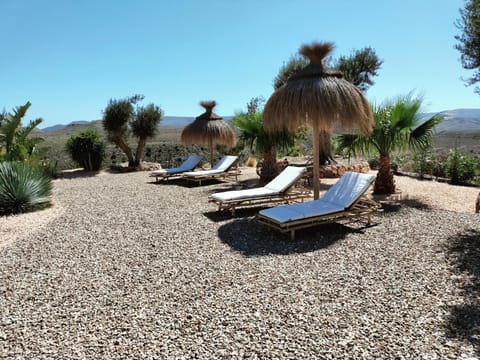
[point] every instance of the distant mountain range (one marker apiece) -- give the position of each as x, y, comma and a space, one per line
167, 121
59, 127
457, 122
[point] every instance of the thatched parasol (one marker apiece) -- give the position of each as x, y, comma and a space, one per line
319, 97
208, 129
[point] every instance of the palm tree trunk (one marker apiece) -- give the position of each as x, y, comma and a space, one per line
325, 150
268, 171
384, 182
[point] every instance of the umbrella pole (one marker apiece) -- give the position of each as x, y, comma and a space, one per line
210, 145
316, 161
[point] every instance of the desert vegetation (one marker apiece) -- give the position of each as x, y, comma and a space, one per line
25, 184
23, 188
87, 150
123, 266
122, 121
166, 149
397, 126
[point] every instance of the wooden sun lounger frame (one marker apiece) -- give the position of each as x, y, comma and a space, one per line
294, 194
231, 173
167, 176
225, 175
361, 210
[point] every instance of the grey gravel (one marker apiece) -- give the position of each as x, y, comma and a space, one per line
133, 269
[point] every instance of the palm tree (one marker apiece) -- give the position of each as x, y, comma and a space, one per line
258, 140
14, 138
397, 126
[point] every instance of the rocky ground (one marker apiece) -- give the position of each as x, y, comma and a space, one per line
122, 267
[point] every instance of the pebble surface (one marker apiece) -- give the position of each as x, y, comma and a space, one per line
134, 269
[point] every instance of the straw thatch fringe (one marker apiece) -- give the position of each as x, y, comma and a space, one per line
318, 95
321, 98
208, 131
331, 102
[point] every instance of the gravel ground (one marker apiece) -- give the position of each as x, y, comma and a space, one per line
132, 269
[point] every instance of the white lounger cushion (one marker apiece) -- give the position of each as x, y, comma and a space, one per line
243, 194
221, 166
348, 188
224, 163
285, 179
188, 164
293, 212
278, 185
338, 198
203, 172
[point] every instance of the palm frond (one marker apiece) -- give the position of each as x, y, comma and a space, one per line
397, 126
421, 135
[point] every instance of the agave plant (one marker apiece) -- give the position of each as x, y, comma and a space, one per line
22, 188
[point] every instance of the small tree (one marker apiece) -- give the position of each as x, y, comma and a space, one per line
469, 47
121, 119
359, 67
87, 150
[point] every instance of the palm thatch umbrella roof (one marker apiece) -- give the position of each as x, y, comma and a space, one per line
319, 97
208, 129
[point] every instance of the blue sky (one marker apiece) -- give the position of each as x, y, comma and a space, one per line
69, 57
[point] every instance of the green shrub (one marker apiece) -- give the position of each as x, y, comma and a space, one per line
439, 167
460, 167
22, 188
423, 162
87, 150
51, 169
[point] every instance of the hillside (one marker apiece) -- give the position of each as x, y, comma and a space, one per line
459, 122
461, 128
167, 121
462, 122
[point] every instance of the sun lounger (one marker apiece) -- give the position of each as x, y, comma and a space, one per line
223, 169
346, 199
187, 165
280, 189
